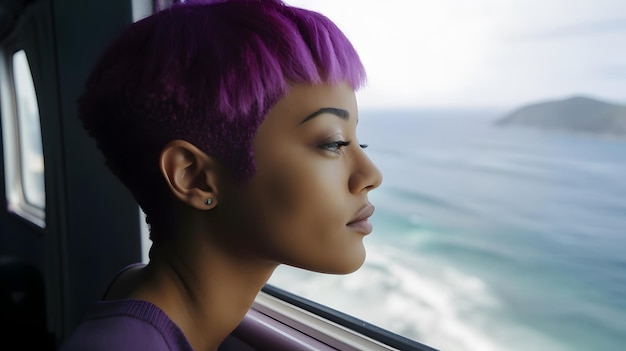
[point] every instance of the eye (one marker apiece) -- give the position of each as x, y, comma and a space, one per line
363, 146
335, 146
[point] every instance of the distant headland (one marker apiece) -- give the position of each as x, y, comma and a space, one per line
576, 114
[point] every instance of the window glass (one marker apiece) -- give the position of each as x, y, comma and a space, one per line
31, 151
144, 232
30, 148
500, 128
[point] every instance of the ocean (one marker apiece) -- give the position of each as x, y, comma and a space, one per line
487, 238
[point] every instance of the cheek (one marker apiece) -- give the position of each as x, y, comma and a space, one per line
304, 195
302, 215
281, 192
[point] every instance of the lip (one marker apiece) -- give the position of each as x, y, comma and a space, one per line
360, 222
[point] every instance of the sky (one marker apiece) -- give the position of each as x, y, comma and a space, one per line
483, 53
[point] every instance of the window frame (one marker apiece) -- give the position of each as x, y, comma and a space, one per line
332, 327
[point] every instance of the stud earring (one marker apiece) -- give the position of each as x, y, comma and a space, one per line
208, 202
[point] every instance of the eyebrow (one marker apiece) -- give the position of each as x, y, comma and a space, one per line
341, 113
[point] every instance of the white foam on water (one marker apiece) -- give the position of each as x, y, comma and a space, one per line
436, 305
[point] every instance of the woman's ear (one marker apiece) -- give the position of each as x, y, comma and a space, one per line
191, 174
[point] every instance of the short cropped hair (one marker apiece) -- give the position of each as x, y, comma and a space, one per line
206, 72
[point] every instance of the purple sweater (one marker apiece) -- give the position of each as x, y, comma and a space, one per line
122, 325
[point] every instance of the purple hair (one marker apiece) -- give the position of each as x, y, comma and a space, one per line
206, 72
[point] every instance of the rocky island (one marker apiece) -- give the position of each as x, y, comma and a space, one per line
576, 114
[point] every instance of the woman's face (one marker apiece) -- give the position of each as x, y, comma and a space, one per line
307, 204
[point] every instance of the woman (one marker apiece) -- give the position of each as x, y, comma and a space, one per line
233, 124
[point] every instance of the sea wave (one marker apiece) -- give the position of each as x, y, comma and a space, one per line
430, 302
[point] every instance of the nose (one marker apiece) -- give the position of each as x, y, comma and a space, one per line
365, 175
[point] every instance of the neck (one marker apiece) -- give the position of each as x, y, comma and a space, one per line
205, 290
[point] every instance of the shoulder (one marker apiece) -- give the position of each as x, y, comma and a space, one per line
127, 325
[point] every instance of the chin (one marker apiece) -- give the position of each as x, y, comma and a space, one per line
339, 261
348, 263
348, 269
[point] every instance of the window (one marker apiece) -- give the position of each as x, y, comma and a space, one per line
142, 8
23, 152
500, 128
500, 222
